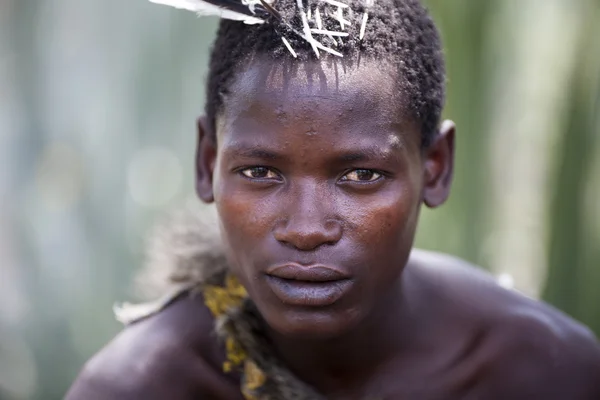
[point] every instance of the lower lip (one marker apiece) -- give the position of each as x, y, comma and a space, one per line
312, 294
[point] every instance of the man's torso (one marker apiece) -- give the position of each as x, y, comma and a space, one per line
485, 343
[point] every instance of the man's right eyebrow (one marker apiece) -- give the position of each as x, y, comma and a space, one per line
252, 152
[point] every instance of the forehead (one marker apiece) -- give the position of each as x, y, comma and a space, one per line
329, 74
327, 96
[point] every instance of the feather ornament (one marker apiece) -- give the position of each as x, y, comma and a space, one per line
262, 11
247, 11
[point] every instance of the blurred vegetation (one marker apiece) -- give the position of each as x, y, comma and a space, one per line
97, 107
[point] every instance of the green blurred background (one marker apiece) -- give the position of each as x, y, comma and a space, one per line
97, 106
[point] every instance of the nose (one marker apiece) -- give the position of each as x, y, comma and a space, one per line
307, 224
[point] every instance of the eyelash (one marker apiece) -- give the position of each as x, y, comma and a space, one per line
266, 169
379, 174
363, 182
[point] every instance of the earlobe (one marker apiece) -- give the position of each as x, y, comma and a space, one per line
439, 166
206, 153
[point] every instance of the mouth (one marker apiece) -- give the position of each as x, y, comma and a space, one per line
313, 286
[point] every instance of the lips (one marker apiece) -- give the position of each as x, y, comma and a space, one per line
314, 285
313, 273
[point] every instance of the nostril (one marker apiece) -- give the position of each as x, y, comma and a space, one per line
334, 230
308, 236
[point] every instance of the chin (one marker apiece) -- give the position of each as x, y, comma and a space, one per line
312, 323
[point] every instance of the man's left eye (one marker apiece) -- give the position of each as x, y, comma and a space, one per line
362, 175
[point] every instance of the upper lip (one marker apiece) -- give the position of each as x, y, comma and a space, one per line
307, 273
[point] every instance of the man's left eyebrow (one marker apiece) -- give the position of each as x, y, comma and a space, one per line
367, 154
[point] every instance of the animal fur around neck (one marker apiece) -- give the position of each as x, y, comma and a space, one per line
185, 253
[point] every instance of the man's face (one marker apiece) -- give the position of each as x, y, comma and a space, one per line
318, 181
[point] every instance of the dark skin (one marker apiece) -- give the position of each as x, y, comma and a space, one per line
325, 167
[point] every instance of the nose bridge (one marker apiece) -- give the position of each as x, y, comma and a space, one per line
311, 200
308, 221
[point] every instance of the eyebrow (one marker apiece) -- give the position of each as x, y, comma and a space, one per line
366, 154
351, 155
241, 150
354, 157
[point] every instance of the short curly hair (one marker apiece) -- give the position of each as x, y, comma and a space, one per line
400, 32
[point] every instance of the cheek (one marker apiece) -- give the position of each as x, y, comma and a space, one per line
386, 223
386, 237
245, 218
237, 225
240, 218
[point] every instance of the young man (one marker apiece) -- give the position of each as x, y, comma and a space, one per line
318, 169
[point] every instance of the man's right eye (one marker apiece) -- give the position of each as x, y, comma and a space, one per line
259, 173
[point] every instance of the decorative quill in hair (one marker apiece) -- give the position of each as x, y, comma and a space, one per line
261, 11
247, 11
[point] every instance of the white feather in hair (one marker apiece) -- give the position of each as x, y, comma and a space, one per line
227, 9
261, 11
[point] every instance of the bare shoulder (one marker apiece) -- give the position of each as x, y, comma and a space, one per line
537, 352
173, 354
530, 350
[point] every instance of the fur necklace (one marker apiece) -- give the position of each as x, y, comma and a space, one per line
185, 254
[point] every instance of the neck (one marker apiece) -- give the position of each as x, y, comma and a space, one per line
334, 364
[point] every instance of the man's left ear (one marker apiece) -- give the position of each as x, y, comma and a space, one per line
439, 166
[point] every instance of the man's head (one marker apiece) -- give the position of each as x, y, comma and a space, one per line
398, 32
318, 167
